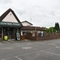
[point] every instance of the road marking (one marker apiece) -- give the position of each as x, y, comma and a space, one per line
25, 54
52, 44
18, 58
3, 59
57, 47
0, 43
26, 47
28, 43
50, 53
40, 42
5, 41
7, 48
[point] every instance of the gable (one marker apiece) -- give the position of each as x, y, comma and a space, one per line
26, 24
10, 18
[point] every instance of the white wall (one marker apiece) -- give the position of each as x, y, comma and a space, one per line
10, 18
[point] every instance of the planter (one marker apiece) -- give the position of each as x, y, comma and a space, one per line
22, 37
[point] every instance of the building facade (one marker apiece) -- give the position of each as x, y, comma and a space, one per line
28, 31
10, 25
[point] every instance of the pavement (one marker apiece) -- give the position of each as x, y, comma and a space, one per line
30, 50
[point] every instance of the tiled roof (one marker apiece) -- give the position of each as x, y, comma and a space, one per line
33, 28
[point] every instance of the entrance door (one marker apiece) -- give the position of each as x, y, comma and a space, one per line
9, 32
12, 33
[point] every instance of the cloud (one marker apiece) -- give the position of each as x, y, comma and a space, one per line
39, 12
5, 1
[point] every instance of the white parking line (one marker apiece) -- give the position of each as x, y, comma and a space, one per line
40, 42
52, 44
0, 43
6, 48
27, 47
18, 58
50, 53
24, 54
57, 47
3, 59
28, 43
5, 41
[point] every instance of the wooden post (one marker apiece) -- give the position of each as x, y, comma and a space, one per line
2, 33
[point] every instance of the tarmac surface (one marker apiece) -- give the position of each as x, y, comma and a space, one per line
30, 50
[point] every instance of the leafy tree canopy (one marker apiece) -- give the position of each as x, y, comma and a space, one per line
56, 26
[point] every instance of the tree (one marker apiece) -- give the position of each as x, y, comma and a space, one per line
50, 29
47, 30
57, 26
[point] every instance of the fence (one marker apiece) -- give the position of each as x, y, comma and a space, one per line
47, 36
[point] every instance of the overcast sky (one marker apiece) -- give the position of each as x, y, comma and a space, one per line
43, 13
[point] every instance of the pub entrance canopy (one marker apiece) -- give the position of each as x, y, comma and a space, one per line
10, 29
9, 24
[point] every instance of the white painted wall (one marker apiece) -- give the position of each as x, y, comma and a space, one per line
26, 24
10, 18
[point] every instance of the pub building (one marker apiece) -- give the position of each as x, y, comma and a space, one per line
10, 25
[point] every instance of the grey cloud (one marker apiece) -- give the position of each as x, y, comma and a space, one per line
52, 13
42, 12
20, 12
45, 15
5, 1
